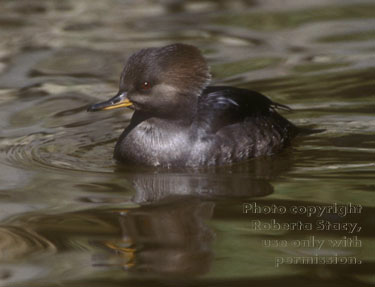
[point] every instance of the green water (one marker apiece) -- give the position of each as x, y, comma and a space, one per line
70, 216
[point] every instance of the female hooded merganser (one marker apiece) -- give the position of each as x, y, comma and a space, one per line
180, 121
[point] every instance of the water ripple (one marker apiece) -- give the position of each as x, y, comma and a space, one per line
67, 137
59, 151
16, 243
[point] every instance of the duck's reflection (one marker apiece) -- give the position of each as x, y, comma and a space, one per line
162, 186
168, 233
171, 238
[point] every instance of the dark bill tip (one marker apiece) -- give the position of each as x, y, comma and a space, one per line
118, 101
96, 107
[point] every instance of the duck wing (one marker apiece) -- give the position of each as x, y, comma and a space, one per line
220, 106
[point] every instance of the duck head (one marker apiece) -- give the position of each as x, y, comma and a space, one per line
162, 82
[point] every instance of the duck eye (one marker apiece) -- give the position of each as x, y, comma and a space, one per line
146, 86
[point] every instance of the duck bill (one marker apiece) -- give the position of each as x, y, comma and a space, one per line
118, 101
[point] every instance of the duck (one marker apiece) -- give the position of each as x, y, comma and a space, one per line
180, 120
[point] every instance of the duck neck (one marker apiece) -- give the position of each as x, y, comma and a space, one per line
186, 111
182, 112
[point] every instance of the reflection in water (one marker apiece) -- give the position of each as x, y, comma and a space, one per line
167, 234
153, 187
166, 239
